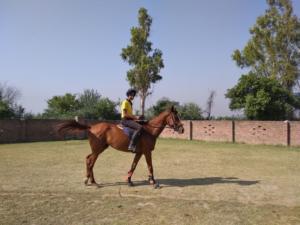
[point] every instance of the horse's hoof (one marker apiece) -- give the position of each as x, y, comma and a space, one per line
130, 184
156, 185
152, 182
94, 184
86, 181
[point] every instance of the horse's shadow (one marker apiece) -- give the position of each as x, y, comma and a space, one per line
174, 182
206, 181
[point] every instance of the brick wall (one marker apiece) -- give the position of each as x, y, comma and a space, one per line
295, 133
250, 132
209, 130
12, 131
261, 132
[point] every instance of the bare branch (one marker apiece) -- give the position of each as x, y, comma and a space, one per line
9, 94
209, 103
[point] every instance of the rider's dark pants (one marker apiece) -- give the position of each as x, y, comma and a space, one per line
133, 125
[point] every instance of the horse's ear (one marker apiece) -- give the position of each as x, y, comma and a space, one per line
171, 109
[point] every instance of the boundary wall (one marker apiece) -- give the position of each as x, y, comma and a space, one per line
251, 132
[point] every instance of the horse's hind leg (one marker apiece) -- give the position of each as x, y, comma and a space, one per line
90, 162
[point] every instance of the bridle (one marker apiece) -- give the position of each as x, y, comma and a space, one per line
173, 126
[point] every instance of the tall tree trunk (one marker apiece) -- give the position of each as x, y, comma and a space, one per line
142, 105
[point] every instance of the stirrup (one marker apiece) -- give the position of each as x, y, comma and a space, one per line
132, 148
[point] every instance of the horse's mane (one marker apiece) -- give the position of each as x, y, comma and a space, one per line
163, 113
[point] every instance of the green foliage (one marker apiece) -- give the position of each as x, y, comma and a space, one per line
272, 58
107, 109
146, 63
273, 51
14, 111
89, 105
9, 109
187, 111
190, 111
88, 102
65, 106
160, 106
262, 98
5, 110
93, 106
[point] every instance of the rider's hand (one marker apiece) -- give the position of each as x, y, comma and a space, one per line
141, 117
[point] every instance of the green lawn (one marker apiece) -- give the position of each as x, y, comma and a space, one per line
201, 183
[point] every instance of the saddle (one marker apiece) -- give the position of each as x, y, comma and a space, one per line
129, 131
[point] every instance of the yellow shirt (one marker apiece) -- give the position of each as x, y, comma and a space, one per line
127, 106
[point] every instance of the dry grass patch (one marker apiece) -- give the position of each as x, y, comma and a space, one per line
202, 183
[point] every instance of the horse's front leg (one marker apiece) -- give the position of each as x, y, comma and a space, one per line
151, 179
133, 166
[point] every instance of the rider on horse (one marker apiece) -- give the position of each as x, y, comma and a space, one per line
129, 120
104, 134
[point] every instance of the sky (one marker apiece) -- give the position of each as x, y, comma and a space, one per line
51, 47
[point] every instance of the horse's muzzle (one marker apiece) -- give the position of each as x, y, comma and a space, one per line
180, 130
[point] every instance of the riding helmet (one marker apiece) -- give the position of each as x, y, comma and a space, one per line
131, 92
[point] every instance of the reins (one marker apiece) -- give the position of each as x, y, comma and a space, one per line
166, 126
154, 126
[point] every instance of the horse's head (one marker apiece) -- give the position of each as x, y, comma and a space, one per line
173, 120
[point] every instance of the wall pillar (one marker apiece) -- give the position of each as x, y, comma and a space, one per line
191, 130
288, 131
233, 131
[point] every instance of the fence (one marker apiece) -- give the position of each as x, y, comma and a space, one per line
251, 132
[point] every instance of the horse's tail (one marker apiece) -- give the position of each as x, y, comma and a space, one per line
71, 126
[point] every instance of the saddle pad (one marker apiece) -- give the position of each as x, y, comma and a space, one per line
128, 131
120, 126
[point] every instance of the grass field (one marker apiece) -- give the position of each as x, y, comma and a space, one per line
201, 183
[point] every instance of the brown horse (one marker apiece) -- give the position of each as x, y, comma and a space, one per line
104, 134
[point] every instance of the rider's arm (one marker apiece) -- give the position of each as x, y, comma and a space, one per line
127, 116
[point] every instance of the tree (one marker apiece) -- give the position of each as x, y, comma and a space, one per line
190, 111
273, 50
11, 111
146, 63
89, 105
187, 111
88, 101
65, 106
19, 111
161, 105
9, 94
262, 98
93, 106
271, 55
5, 110
8, 103
107, 109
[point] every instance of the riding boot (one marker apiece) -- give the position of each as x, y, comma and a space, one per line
133, 141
